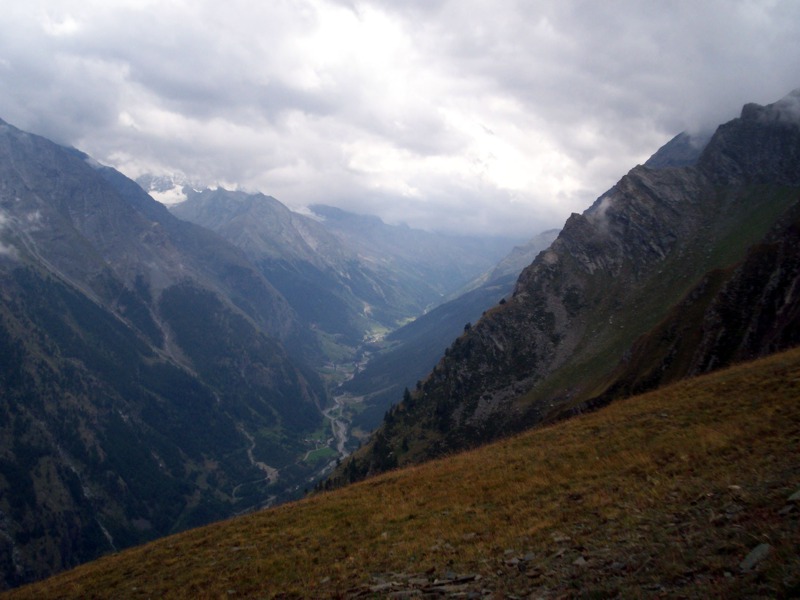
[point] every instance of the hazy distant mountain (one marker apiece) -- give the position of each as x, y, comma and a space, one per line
331, 281
441, 263
347, 276
514, 262
665, 254
146, 382
407, 354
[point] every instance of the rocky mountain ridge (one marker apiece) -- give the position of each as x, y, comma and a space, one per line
157, 376
149, 372
611, 276
733, 315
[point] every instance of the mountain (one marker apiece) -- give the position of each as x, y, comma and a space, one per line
613, 275
407, 354
149, 372
154, 379
345, 286
352, 278
681, 151
441, 263
748, 310
687, 492
515, 261
321, 279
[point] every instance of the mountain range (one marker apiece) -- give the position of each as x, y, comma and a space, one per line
348, 276
147, 374
159, 373
688, 264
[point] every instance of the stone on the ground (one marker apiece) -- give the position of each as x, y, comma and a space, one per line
756, 555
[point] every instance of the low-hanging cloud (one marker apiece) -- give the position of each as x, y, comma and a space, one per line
5, 249
463, 115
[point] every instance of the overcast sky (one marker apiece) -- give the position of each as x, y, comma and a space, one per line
502, 116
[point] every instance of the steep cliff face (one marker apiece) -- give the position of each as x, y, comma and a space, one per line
740, 313
611, 276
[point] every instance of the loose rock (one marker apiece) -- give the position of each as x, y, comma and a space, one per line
756, 555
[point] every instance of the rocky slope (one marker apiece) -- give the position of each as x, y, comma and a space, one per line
611, 276
147, 376
407, 354
746, 311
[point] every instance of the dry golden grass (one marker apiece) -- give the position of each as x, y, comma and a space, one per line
659, 495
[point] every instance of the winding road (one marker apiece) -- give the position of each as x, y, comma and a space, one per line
270, 473
339, 426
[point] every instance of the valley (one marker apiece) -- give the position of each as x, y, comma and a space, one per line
673, 504
339, 424
340, 415
165, 369
353, 282
688, 264
271, 474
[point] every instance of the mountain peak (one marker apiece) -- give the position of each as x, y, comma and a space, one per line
681, 151
785, 110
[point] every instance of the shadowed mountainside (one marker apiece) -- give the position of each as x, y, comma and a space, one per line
147, 370
690, 491
612, 275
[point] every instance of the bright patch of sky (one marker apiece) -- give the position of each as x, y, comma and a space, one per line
499, 116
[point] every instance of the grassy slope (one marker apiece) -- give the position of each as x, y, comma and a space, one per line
662, 494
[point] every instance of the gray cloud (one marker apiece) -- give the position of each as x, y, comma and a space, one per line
500, 116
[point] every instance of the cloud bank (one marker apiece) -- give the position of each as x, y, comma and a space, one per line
462, 115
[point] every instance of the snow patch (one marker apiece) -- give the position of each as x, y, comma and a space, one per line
169, 197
